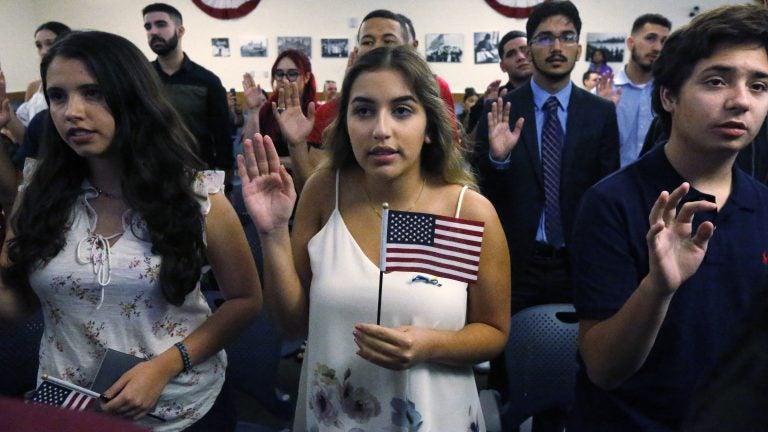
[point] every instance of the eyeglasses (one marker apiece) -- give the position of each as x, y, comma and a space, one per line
548, 39
292, 74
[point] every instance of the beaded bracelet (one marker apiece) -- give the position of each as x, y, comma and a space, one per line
184, 356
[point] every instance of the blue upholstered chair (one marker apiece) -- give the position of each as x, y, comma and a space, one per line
541, 365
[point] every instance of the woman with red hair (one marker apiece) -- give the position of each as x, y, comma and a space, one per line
290, 113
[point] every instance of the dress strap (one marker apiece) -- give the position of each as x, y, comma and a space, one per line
461, 198
337, 189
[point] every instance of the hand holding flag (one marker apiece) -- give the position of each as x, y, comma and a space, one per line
56, 392
60, 393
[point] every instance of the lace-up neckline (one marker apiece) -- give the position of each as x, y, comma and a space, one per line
94, 248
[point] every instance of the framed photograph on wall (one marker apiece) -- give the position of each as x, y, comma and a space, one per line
220, 47
486, 50
334, 48
444, 47
300, 43
253, 46
611, 44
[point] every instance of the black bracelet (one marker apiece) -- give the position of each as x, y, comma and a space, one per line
184, 356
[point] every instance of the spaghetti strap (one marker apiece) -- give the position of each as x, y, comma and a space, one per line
461, 198
337, 190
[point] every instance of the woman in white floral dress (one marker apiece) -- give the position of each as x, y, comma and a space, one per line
392, 142
110, 235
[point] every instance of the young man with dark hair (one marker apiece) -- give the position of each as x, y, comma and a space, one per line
631, 87
658, 291
589, 80
538, 154
195, 92
513, 60
379, 28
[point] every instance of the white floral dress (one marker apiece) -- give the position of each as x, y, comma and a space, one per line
339, 391
95, 297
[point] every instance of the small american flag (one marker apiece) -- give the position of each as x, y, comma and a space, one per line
438, 245
50, 393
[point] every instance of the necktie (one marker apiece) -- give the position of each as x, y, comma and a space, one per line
551, 148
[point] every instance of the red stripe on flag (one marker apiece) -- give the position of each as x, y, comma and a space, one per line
454, 258
472, 233
459, 221
436, 273
457, 240
435, 263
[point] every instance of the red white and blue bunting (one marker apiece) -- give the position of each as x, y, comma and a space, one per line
513, 8
227, 9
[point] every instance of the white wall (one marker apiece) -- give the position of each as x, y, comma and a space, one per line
315, 18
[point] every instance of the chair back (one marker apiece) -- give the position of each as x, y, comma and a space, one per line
541, 361
19, 355
253, 359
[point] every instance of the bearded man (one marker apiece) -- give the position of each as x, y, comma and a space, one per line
195, 92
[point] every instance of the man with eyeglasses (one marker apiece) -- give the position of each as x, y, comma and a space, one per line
541, 147
631, 88
195, 92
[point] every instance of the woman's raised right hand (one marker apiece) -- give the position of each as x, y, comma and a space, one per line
268, 191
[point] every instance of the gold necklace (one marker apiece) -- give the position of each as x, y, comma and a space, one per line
378, 212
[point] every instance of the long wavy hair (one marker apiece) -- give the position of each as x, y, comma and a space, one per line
443, 157
156, 167
268, 123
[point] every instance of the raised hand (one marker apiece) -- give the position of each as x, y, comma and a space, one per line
492, 91
3, 94
5, 112
675, 255
5, 104
393, 348
294, 125
268, 191
352, 59
502, 140
254, 97
606, 90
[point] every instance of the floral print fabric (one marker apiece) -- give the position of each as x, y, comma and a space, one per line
128, 314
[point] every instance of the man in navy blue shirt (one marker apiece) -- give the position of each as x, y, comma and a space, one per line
658, 290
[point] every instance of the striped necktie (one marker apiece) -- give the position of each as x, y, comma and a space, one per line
551, 148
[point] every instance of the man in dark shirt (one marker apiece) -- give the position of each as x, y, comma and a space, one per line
658, 290
195, 92
514, 61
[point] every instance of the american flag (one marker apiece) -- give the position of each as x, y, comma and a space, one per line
50, 393
438, 245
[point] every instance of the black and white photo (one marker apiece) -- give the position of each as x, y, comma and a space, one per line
444, 47
300, 43
486, 50
611, 44
253, 46
334, 48
220, 47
